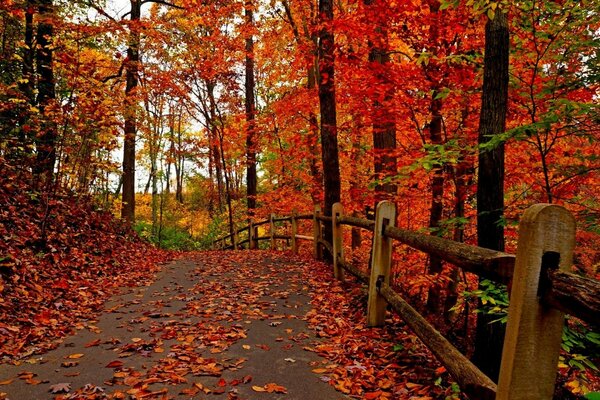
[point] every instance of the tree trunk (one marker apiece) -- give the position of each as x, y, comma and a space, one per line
214, 140
329, 145
311, 58
462, 178
437, 204
384, 121
251, 179
27, 85
131, 70
46, 140
179, 164
490, 179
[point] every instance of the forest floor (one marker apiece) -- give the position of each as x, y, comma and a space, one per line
240, 325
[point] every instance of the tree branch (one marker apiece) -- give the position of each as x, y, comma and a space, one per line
164, 3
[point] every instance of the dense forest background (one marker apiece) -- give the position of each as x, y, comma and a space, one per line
186, 118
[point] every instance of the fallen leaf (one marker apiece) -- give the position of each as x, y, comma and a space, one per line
93, 343
75, 356
114, 364
69, 364
61, 388
275, 388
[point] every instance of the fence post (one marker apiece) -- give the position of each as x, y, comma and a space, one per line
337, 210
294, 232
317, 234
251, 243
272, 226
533, 332
381, 261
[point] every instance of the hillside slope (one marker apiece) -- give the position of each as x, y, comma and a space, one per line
60, 259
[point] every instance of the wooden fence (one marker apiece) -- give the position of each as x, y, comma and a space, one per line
542, 289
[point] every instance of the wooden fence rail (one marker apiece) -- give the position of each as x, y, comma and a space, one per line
542, 289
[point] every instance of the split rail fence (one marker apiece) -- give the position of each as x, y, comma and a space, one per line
542, 289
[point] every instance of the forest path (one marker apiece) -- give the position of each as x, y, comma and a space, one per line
229, 324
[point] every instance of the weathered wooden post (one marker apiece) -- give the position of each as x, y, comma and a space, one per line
317, 234
251, 242
381, 261
337, 211
533, 332
294, 232
272, 226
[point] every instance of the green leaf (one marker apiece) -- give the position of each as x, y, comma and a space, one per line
398, 347
593, 396
491, 13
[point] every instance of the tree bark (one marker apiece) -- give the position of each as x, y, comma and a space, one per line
27, 85
130, 125
46, 140
214, 143
382, 115
490, 179
251, 178
437, 204
312, 139
327, 102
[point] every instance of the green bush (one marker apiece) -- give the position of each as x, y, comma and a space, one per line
171, 238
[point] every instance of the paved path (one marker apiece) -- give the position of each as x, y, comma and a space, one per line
211, 326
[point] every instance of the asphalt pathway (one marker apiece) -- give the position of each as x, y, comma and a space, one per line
210, 326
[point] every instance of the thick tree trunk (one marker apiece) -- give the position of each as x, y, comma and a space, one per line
490, 179
251, 178
329, 145
46, 139
130, 126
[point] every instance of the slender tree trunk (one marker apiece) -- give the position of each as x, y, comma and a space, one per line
329, 145
384, 121
462, 176
251, 178
316, 173
355, 181
27, 85
214, 140
490, 179
171, 154
130, 126
179, 164
437, 204
312, 67
46, 140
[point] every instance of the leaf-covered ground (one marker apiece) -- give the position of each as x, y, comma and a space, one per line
60, 259
248, 325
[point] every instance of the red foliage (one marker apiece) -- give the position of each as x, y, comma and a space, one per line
60, 259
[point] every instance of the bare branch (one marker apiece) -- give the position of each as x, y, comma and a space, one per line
164, 3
